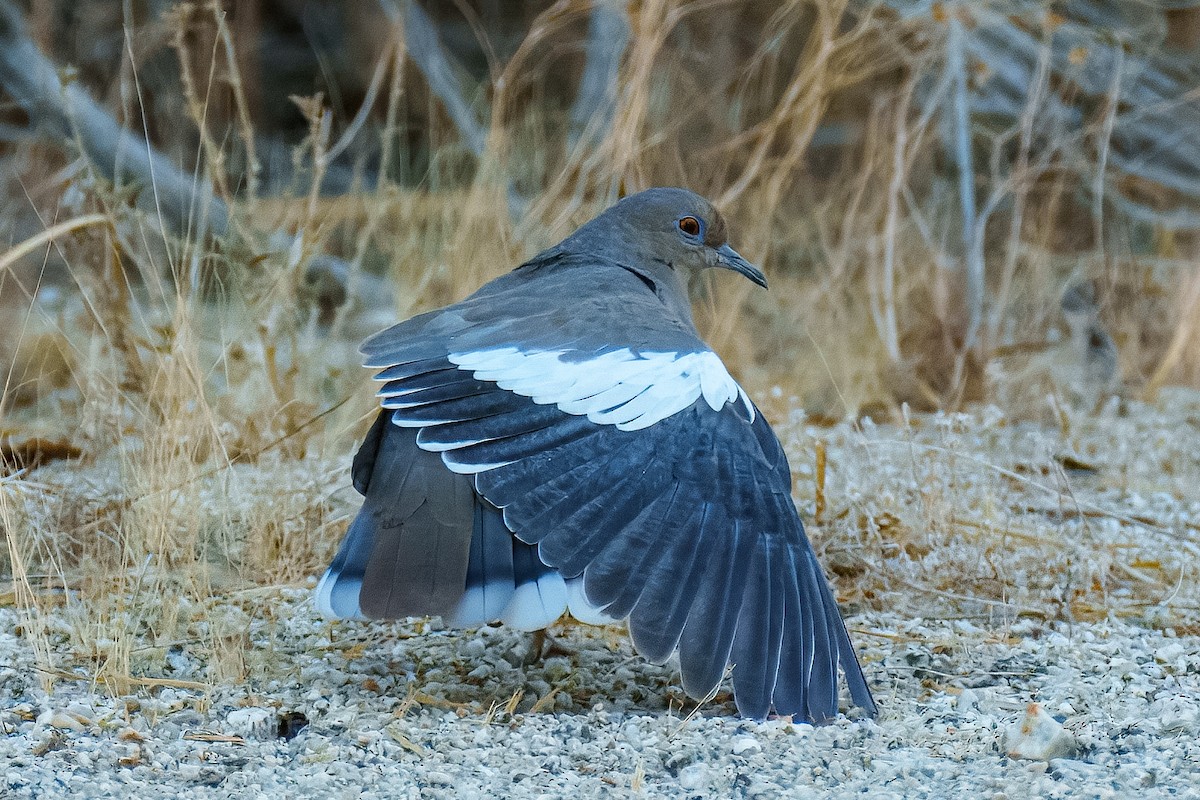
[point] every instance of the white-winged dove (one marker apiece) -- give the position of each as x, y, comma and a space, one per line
563, 439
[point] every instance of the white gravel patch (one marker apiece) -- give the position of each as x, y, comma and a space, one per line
393, 714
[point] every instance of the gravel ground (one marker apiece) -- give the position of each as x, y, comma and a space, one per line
949, 691
996, 573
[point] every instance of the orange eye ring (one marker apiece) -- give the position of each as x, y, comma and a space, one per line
690, 226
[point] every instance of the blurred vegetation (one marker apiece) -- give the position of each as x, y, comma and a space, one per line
932, 175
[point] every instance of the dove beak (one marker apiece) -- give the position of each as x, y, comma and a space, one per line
728, 258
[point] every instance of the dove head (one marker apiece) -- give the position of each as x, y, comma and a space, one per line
665, 236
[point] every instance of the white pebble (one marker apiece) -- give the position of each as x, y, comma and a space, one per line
252, 723
693, 777
1038, 736
56, 718
746, 746
1169, 653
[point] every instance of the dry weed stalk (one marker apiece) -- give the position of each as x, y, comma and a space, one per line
17, 527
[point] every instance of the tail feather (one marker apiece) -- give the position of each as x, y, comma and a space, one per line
540, 596
337, 593
490, 583
426, 543
406, 552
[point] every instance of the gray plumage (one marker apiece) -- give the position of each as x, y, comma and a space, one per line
563, 439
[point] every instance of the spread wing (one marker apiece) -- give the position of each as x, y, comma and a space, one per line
638, 463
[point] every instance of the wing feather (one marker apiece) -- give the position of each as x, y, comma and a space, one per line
822, 679
656, 622
619, 574
756, 646
707, 637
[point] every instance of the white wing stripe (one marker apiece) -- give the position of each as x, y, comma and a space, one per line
622, 388
655, 399
668, 406
604, 400
460, 468
715, 384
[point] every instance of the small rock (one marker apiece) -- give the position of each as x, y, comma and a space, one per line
1039, 737
23, 711
968, 700
481, 672
290, 724
746, 746
126, 734
693, 777
252, 723
1170, 653
44, 745
678, 760
56, 718
83, 712
1175, 715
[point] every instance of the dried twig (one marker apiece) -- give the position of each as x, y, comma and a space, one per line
49, 235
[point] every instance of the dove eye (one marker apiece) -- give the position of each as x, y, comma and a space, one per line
690, 225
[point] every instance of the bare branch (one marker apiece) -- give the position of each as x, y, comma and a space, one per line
607, 37
972, 235
426, 51
65, 111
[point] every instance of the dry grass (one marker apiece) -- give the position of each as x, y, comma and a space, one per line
211, 416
